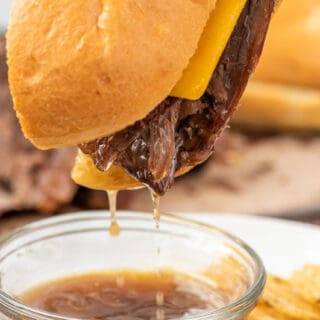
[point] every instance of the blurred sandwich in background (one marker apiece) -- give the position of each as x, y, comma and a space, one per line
285, 90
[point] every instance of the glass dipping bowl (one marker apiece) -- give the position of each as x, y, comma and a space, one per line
80, 243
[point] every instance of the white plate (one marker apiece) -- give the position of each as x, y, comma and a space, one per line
4, 12
284, 246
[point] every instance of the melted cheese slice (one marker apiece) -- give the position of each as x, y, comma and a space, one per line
216, 35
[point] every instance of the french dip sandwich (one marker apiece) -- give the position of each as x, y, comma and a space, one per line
143, 87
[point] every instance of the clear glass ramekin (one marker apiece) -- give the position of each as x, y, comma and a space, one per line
80, 243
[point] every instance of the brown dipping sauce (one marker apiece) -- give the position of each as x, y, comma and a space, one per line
126, 296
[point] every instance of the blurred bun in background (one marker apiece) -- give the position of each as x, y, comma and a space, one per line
285, 90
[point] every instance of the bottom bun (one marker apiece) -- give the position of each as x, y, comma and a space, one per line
276, 106
115, 178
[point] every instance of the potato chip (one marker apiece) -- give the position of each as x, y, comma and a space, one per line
264, 311
307, 282
284, 300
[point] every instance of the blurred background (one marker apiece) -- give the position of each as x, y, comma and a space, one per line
266, 164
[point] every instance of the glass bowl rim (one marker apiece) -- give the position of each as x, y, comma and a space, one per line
239, 305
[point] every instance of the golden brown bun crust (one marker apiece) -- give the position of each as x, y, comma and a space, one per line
86, 174
291, 53
285, 92
84, 69
270, 106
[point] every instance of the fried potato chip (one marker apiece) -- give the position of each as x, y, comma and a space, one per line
307, 282
293, 299
297, 298
284, 299
264, 311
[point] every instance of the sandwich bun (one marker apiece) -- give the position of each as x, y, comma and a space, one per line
284, 93
80, 70
292, 47
86, 174
269, 106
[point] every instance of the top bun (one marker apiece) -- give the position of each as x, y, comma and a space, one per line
291, 52
83, 69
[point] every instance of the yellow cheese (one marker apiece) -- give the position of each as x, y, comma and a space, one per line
216, 35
